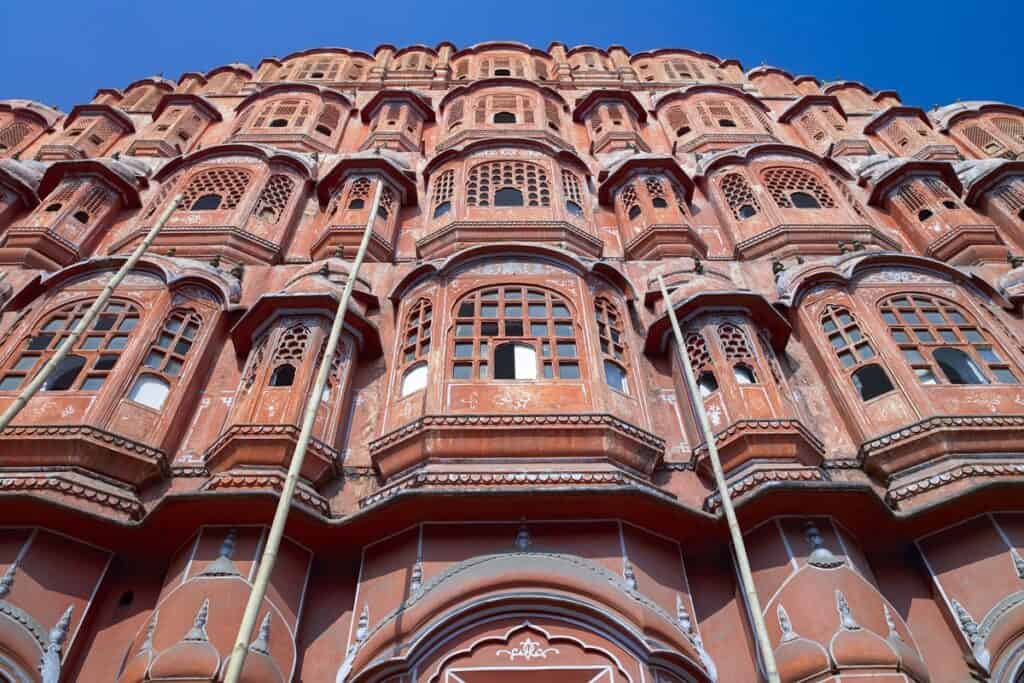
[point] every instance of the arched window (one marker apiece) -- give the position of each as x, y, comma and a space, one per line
291, 349
797, 188
573, 193
525, 323
508, 196
166, 358
613, 344
737, 352
700, 362
13, 134
274, 198
444, 187
486, 180
416, 347
678, 121
90, 362
216, 189
739, 196
983, 140
358, 193
630, 202
1011, 127
855, 353
504, 117
932, 331
282, 114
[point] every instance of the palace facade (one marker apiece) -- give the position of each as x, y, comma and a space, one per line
507, 481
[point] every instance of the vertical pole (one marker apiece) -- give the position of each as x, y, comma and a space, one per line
284, 503
739, 547
90, 315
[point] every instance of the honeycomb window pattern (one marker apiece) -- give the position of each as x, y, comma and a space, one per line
734, 343
274, 198
784, 182
739, 196
488, 178
630, 202
572, 190
697, 350
227, 183
444, 188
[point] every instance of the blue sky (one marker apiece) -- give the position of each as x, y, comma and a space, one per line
61, 52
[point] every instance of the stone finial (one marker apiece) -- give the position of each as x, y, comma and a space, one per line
325, 270
967, 623
1018, 564
49, 665
778, 267
820, 555
698, 266
416, 577
846, 619
262, 643
682, 615
198, 631
147, 643
523, 537
627, 574
363, 627
223, 566
891, 623
785, 625
7, 580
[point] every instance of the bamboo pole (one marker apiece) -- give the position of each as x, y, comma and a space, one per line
739, 547
284, 503
90, 315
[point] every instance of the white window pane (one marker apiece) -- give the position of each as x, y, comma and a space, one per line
526, 362
415, 379
150, 391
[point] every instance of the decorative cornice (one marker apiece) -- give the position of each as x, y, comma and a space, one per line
512, 420
756, 479
761, 426
936, 423
286, 430
267, 480
75, 485
936, 481
116, 440
508, 479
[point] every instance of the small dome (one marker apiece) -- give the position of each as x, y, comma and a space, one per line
188, 660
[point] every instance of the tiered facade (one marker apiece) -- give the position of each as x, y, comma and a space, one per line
507, 481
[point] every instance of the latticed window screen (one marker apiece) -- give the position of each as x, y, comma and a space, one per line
613, 344
358, 193
552, 114
318, 69
462, 70
1014, 128
227, 183
61, 195
256, 358
282, 114
783, 183
810, 124
853, 202
540, 69
531, 317
488, 178
416, 338
274, 198
855, 353
444, 188
12, 135
1011, 194
291, 347
90, 362
678, 120
734, 343
983, 140
696, 349
833, 117
922, 326
387, 203
911, 197
938, 188
739, 196
571, 187
328, 120
630, 202
456, 113
656, 191
169, 351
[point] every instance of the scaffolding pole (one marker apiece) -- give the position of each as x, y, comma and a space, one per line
90, 315
284, 503
739, 547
